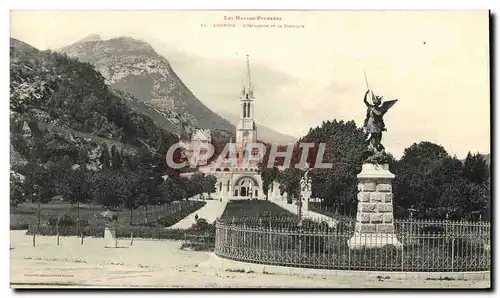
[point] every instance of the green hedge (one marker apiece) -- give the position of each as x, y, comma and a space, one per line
18, 226
121, 232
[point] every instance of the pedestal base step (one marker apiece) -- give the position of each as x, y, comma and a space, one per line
367, 240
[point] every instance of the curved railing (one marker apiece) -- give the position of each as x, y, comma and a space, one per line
427, 246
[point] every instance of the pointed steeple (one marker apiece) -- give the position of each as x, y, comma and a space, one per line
247, 92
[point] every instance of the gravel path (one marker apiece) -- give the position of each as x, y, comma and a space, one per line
158, 264
210, 212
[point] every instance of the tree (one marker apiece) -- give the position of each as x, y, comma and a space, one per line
416, 185
209, 184
132, 191
438, 185
174, 189
344, 147
459, 199
151, 192
78, 188
476, 169
268, 175
116, 158
289, 180
108, 188
38, 185
105, 159
17, 195
195, 184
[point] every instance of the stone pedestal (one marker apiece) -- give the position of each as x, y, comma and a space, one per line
275, 191
110, 238
375, 219
284, 197
306, 195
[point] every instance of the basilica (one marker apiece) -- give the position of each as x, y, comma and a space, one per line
241, 180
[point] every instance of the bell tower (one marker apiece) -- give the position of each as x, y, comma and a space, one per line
246, 131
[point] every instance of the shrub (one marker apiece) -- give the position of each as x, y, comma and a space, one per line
66, 220
202, 226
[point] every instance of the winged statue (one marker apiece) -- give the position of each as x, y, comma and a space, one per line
374, 124
305, 182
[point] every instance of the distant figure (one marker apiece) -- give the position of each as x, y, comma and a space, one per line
196, 217
111, 221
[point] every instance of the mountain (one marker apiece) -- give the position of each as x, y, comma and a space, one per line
62, 111
133, 66
264, 133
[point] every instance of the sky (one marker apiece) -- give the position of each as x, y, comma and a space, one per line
435, 63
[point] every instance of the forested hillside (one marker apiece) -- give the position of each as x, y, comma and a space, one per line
72, 136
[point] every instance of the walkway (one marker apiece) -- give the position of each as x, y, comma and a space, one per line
306, 214
157, 264
210, 212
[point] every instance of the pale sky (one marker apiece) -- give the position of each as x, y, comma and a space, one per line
435, 63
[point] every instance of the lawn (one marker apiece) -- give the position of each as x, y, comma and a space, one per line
26, 213
330, 212
254, 208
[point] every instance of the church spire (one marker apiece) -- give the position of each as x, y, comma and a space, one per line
247, 91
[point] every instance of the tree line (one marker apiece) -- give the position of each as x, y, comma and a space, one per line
123, 182
429, 182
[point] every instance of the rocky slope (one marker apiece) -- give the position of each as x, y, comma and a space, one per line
61, 111
133, 66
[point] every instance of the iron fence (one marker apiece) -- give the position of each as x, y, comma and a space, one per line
430, 246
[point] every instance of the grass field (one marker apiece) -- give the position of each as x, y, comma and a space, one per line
330, 212
26, 213
254, 208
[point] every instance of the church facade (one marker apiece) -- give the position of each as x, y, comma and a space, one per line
240, 181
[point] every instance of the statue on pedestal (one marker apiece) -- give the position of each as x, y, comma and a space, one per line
305, 190
374, 226
374, 126
305, 182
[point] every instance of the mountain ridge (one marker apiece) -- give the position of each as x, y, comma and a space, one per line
133, 66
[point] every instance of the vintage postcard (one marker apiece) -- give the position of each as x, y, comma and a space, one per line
250, 149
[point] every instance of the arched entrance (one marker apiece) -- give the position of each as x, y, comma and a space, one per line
246, 187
